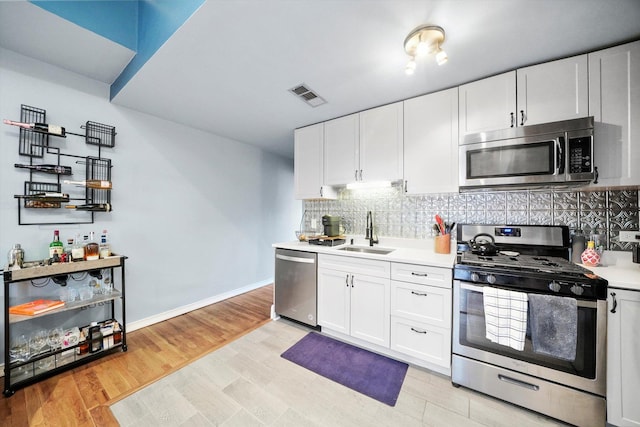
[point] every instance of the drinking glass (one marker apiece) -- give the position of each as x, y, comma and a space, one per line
19, 350
38, 341
55, 338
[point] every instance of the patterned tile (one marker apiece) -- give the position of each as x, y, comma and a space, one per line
566, 217
565, 200
623, 220
592, 220
517, 201
590, 200
540, 217
517, 217
401, 215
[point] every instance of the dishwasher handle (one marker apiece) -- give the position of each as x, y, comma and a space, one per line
295, 259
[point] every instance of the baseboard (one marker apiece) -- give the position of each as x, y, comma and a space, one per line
178, 311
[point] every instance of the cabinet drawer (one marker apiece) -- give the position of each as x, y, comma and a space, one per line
414, 273
355, 265
425, 342
426, 304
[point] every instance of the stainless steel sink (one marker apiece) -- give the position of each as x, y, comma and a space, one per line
366, 250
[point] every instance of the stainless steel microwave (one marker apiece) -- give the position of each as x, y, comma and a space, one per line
546, 154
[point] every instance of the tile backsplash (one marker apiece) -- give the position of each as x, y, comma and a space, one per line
412, 216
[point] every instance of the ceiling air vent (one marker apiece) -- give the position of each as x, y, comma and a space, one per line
307, 95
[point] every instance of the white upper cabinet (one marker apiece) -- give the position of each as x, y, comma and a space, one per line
554, 91
431, 143
308, 168
381, 143
614, 102
549, 92
341, 149
364, 147
487, 104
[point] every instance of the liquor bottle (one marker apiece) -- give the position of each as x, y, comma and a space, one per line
39, 127
77, 252
92, 183
56, 246
95, 207
53, 169
105, 247
91, 249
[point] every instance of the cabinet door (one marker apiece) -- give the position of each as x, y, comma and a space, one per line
614, 102
370, 309
431, 143
341, 139
487, 104
308, 161
553, 91
381, 143
623, 354
334, 289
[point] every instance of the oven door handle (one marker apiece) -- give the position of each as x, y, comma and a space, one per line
518, 382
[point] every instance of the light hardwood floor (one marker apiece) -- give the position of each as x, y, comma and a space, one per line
82, 397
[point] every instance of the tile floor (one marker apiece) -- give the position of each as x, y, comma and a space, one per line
247, 383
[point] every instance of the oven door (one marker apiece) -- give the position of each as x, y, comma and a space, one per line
586, 372
518, 161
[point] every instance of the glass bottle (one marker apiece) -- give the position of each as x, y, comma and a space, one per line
105, 247
95, 338
56, 246
77, 251
91, 249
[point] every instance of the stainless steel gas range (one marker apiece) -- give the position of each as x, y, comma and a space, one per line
529, 325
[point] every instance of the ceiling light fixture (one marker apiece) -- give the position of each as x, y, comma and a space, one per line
422, 41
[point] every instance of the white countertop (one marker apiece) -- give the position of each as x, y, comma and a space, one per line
618, 269
413, 251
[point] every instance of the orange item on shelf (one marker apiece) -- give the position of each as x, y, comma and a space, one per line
35, 307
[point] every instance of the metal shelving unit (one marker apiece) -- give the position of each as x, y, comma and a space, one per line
21, 373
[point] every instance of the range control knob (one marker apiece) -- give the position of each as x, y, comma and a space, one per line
491, 279
475, 277
554, 286
577, 289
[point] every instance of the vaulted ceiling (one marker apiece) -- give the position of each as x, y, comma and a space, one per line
228, 68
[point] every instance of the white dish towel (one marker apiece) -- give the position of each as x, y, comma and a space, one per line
505, 316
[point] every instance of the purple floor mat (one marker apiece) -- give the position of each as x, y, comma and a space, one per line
371, 374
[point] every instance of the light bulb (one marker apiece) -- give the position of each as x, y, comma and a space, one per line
441, 57
411, 67
422, 48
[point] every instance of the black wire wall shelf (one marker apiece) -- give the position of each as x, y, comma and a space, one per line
47, 196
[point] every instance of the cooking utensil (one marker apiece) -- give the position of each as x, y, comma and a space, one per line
486, 247
440, 223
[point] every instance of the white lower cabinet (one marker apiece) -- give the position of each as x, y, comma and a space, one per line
421, 313
623, 358
353, 297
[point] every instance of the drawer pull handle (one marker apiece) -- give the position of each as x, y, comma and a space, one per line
413, 273
419, 294
518, 382
418, 331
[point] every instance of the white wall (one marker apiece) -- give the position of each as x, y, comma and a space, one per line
195, 213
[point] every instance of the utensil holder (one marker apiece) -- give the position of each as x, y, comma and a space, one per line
443, 244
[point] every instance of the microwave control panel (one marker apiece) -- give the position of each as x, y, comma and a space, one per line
580, 155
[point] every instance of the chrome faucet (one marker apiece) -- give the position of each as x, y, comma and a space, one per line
370, 236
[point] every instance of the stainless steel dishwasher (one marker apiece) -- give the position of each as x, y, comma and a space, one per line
296, 285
